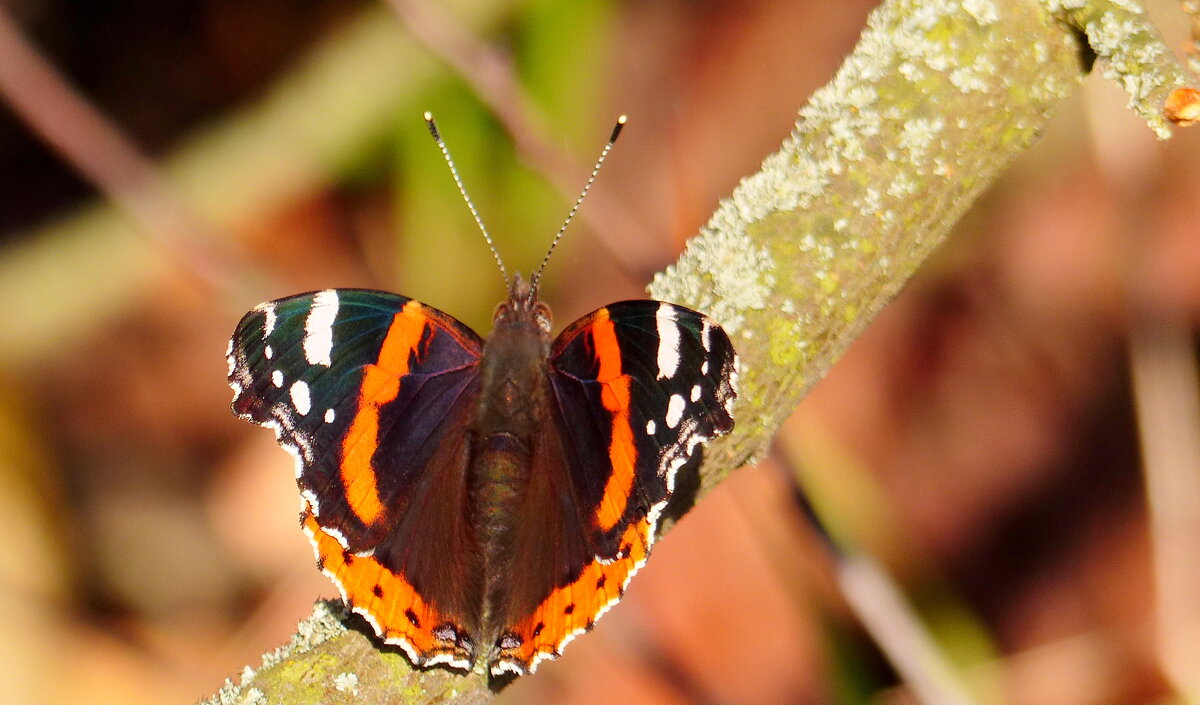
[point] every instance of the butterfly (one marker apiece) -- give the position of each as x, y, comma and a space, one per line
482, 502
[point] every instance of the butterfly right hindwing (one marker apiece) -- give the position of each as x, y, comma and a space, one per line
637, 386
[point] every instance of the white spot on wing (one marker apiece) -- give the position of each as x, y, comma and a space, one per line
318, 328
268, 352
448, 659
731, 393
677, 462
268, 310
695, 392
329, 416
277, 379
674, 410
650, 427
668, 341
336, 535
234, 374
300, 397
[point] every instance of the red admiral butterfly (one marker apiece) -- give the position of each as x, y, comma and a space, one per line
480, 503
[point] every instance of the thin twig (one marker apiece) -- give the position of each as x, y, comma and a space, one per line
882, 609
1087, 668
99, 151
1165, 384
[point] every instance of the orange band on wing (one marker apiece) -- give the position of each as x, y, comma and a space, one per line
572, 609
380, 385
399, 613
615, 397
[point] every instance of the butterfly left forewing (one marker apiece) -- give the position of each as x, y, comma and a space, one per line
367, 390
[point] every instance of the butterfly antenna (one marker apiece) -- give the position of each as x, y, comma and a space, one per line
616, 132
437, 137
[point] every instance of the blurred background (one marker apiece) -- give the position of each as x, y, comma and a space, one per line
983, 439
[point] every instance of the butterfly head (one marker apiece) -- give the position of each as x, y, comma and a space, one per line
522, 307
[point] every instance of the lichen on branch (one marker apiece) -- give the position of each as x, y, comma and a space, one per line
925, 113
1132, 53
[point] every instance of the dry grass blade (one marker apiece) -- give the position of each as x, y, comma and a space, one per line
96, 148
1166, 387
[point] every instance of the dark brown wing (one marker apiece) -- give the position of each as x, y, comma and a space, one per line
370, 392
638, 385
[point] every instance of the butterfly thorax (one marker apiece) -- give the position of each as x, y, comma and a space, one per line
513, 374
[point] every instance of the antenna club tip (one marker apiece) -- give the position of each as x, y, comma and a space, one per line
617, 128
432, 126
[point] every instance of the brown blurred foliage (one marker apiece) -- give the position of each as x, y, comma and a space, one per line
980, 437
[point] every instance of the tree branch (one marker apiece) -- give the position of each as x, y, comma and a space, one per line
925, 113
